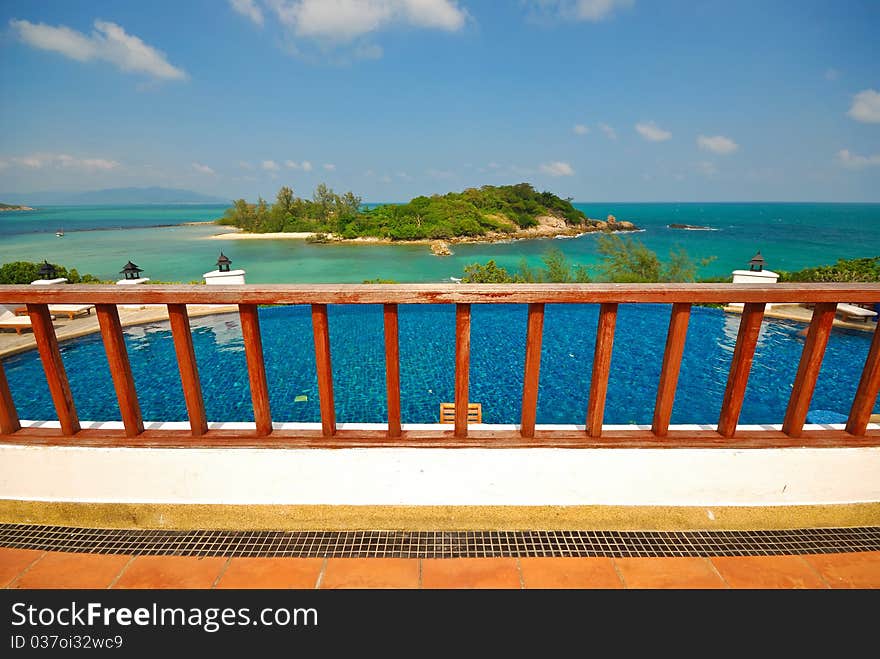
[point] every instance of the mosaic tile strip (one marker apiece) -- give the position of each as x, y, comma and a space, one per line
440, 544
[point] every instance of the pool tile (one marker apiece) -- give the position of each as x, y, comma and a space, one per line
854, 570
271, 573
684, 573
767, 572
171, 572
13, 561
371, 573
582, 573
470, 573
63, 570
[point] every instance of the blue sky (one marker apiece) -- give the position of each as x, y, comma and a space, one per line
599, 100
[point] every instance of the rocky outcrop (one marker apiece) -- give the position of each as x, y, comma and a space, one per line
613, 224
691, 227
440, 248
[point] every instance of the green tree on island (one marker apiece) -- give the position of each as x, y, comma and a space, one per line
500, 210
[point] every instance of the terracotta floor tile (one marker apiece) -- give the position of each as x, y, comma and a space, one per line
63, 570
470, 573
591, 572
13, 561
271, 573
171, 572
371, 573
678, 572
850, 570
767, 572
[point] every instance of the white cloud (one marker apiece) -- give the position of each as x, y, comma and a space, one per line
108, 42
557, 168
345, 20
717, 144
580, 10
95, 163
61, 39
580, 129
330, 167
62, 160
440, 173
248, 9
269, 165
244, 164
610, 133
202, 169
866, 107
831, 74
305, 165
652, 132
855, 161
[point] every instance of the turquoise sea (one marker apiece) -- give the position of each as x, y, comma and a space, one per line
165, 242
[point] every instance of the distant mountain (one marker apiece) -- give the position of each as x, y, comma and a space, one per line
112, 197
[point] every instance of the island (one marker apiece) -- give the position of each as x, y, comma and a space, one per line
486, 214
12, 207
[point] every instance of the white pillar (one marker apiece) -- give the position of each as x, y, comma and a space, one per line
217, 278
753, 277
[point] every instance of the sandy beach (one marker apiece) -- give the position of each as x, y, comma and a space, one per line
548, 227
237, 234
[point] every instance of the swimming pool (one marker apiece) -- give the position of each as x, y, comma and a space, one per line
427, 366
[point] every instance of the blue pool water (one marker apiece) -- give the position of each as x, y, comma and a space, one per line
427, 345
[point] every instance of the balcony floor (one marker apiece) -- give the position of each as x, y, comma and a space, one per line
34, 557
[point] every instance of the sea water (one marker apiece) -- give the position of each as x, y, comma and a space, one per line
159, 239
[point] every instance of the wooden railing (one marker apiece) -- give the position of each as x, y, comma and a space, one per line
824, 297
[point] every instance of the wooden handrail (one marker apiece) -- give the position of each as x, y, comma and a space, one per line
440, 293
56, 376
392, 369
808, 368
866, 394
321, 330
253, 348
740, 367
601, 369
678, 324
189, 372
9, 422
120, 369
462, 367
536, 296
534, 332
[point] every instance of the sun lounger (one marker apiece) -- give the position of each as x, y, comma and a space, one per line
853, 311
8, 320
70, 310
